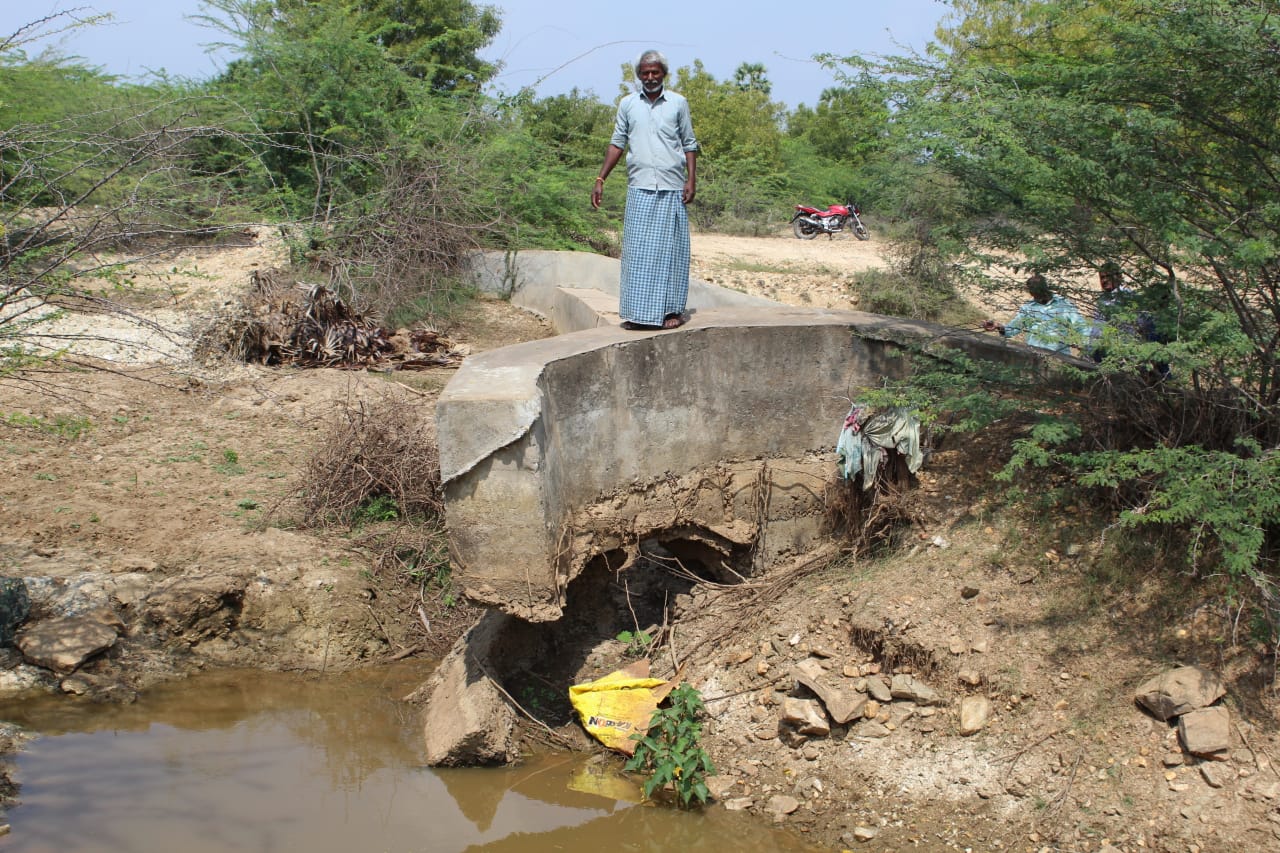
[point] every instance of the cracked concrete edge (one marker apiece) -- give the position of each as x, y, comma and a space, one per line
499, 405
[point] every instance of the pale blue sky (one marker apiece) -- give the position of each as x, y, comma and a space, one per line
563, 43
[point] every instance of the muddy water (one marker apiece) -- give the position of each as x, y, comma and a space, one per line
239, 761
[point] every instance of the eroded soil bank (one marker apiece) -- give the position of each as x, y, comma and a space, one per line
165, 515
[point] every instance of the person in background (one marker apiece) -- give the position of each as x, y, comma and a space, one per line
1117, 308
1049, 321
654, 128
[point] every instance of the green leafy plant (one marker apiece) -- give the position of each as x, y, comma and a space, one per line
375, 509
230, 464
637, 642
671, 751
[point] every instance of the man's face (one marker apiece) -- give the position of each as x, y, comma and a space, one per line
651, 76
1108, 280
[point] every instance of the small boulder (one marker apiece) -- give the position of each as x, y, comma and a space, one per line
907, 687
780, 805
1179, 691
63, 645
842, 705
878, 689
1206, 732
975, 711
15, 605
806, 716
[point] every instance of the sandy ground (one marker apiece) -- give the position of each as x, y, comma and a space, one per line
816, 272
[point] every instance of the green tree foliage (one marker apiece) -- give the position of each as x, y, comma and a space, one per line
849, 124
752, 76
435, 40
732, 123
336, 87
738, 129
540, 158
1145, 131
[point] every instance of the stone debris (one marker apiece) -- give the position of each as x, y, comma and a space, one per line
467, 720
842, 705
975, 712
806, 716
718, 787
1206, 733
15, 605
873, 729
1215, 775
1180, 691
864, 833
878, 689
907, 687
780, 805
63, 645
809, 668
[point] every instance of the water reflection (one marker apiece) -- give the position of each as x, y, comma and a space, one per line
247, 761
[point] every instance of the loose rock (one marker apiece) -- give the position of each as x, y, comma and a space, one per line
1180, 691
63, 645
806, 716
1206, 733
975, 711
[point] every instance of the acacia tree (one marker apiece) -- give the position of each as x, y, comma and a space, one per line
1151, 135
336, 87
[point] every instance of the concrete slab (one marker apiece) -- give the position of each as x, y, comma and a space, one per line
533, 279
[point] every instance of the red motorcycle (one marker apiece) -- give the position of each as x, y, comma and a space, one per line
809, 222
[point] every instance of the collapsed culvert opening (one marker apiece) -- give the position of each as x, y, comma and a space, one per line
621, 608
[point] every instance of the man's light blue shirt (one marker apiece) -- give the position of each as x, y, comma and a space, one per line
1054, 326
656, 137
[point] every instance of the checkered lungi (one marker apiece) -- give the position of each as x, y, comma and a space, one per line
655, 256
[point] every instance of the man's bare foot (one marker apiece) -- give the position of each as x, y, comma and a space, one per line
673, 321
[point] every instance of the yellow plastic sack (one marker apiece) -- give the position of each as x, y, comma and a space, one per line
615, 707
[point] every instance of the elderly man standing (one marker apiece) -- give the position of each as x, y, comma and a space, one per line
654, 128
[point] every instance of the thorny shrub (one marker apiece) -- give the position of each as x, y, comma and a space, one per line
376, 450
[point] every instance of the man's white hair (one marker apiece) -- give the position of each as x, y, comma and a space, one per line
651, 56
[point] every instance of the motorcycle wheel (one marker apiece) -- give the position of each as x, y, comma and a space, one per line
803, 229
860, 231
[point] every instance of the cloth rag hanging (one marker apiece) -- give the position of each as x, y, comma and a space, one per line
863, 441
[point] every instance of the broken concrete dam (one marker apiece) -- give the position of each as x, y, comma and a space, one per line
711, 445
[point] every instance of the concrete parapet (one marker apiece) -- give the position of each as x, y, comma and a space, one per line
534, 280
719, 434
